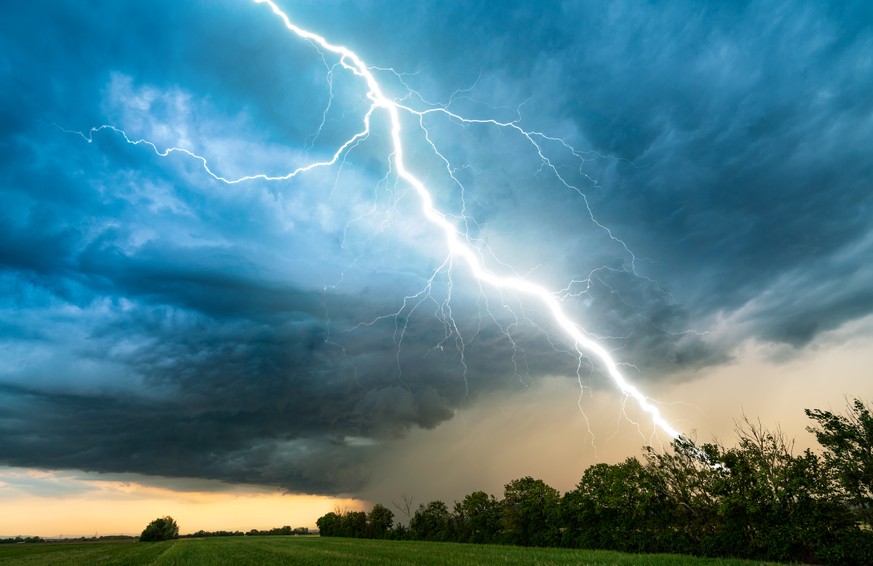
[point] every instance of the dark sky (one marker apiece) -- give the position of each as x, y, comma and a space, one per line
702, 177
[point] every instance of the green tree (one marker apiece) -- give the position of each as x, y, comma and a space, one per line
329, 525
848, 443
478, 518
163, 528
431, 522
687, 475
531, 512
380, 519
773, 503
399, 532
620, 506
353, 524
755, 500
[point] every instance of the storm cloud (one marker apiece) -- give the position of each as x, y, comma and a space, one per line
156, 321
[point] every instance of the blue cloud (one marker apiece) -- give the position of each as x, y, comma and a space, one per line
161, 322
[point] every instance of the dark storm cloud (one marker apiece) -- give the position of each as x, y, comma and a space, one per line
155, 321
750, 132
740, 138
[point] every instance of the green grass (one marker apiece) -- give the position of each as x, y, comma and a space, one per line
258, 551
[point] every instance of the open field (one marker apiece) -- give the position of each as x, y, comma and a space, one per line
257, 551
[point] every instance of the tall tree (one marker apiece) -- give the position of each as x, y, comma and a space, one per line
431, 522
380, 519
688, 477
773, 502
354, 524
621, 506
478, 516
848, 443
329, 525
531, 512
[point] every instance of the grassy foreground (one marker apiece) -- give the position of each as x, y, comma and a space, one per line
258, 551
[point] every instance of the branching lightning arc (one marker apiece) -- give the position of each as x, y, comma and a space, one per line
458, 241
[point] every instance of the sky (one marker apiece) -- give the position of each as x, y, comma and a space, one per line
692, 183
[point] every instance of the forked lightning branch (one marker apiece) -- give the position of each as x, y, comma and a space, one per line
458, 241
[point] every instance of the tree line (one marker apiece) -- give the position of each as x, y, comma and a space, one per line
756, 500
21, 540
275, 531
166, 528
37, 539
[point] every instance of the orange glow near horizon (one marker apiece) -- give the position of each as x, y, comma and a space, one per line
70, 504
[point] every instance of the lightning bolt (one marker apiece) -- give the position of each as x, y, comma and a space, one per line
460, 244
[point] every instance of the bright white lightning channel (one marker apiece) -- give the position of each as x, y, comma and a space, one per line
457, 241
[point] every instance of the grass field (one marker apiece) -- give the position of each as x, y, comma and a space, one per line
258, 551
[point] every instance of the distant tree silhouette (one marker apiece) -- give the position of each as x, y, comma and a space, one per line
163, 528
